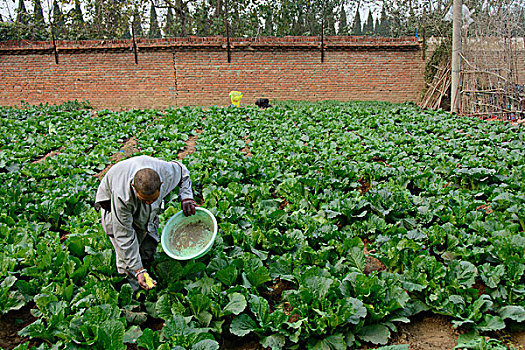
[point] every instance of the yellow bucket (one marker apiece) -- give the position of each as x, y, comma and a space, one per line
236, 97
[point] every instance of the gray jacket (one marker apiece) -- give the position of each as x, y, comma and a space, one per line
129, 218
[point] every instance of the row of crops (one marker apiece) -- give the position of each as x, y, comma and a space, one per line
305, 195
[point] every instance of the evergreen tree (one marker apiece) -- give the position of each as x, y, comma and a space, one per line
126, 35
38, 13
356, 29
78, 29
368, 28
21, 13
169, 28
383, 25
137, 24
268, 23
58, 17
154, 30
77, 13
38, 19
201, 20
58, 20
330, 17
97, 18
343, 23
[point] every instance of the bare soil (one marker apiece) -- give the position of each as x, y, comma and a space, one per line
246, 149
518, 340
231, 344
426, 332
50, 154
372, 264
365, 186
11, 323
191, 146
129, 147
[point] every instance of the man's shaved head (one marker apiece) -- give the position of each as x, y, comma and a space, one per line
147, 181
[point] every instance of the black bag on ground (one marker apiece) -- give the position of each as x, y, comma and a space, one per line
262, 103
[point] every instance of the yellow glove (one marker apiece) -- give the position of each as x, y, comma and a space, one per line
149, 280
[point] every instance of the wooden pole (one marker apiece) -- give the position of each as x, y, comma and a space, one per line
54, 45
322, 34
456, 55
228, 49
134, 43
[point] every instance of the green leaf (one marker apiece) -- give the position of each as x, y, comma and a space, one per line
193, 268
471, 340
357, 258
236, 305
206, 344
259, 276
513, 312
204, 318
259, 307
318, 286
228, 275
134, 317
199, 303
358, 310
463, 272
491, 323
375, 334
149, 340
125, 296
11, 300
491, 276
8, 282
132, 335
394, 347
333, 342
242, 325
274, 342
163, 307
111, 335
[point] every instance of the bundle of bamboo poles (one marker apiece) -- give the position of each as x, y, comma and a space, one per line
438, 88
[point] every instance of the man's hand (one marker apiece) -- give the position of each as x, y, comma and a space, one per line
188, 206
146, 282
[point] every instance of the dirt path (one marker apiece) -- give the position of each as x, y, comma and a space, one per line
129, 147
426, 332
246, 149
191, 146
11, 323
518, 340
50, 154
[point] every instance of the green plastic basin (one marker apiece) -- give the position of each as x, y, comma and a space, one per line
189, 237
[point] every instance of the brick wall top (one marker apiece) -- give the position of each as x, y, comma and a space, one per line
289, 42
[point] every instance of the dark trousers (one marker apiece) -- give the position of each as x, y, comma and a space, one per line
147, 250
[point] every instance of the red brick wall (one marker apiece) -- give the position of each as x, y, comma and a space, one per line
195, 71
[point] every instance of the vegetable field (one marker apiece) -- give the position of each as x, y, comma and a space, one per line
338, 223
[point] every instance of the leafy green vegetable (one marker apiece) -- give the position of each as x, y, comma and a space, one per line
336, 222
